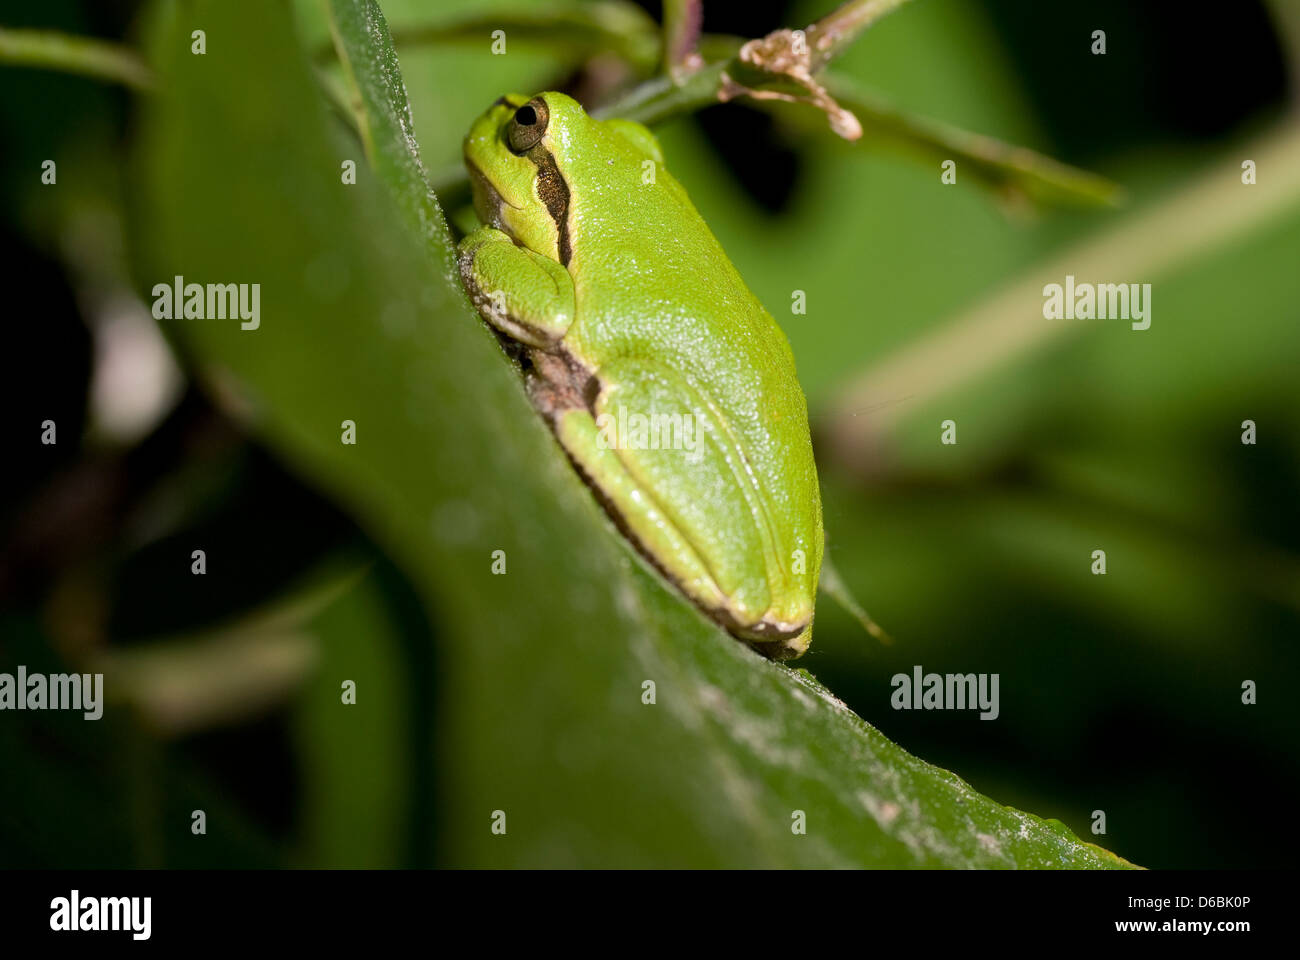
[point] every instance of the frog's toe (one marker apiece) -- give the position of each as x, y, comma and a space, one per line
783, 648
775, 638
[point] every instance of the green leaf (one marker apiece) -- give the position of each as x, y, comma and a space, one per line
51, 50
384, 118
360, 778
540, 672
574, 28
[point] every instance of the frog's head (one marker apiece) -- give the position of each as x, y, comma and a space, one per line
511, 155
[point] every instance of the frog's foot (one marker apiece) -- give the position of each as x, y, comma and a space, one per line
776, 639
783, 648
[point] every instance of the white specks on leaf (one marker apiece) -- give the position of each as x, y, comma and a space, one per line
884, 812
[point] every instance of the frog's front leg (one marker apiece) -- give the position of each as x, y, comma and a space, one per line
525, 295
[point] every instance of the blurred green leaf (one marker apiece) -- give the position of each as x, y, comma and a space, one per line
540, 672
360, 775
567, 27
51, 50
1201, 218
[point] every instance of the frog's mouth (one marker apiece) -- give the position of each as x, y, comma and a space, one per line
553, 191
488, 201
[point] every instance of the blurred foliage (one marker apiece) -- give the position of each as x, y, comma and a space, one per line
522, 692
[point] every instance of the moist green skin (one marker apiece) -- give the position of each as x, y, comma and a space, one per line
617, 294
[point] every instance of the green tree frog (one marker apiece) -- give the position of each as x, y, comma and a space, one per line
606, 284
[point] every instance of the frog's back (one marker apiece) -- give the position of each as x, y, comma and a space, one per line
656, 293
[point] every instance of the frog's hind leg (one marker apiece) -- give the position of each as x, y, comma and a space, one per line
675, 442
634, 508
647, 524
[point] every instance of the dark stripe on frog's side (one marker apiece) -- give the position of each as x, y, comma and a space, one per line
554, 192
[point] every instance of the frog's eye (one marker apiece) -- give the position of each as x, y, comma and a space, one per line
528, 125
